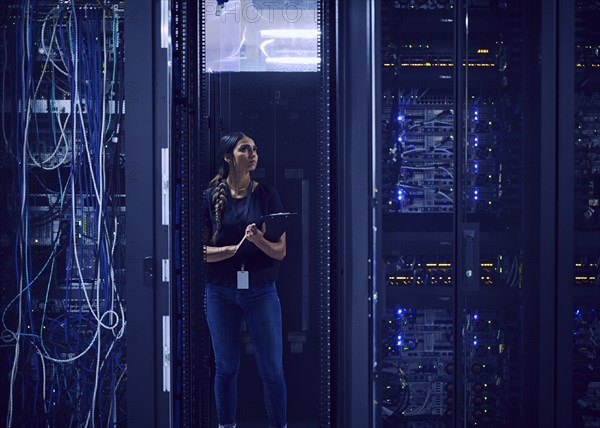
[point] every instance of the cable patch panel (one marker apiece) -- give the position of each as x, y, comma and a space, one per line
500, 271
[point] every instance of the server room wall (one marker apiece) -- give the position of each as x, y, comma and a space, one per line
478, 304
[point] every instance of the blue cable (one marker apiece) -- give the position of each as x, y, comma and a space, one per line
37, 383
25, 189
98, 217
19, 29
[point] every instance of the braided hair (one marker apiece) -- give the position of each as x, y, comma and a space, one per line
219, 194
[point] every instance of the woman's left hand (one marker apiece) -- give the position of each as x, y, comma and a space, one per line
253, 233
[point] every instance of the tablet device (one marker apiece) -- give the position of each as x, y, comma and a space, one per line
276, 224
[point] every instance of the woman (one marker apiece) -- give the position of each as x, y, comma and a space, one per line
242, 284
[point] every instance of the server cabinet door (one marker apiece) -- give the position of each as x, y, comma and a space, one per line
498, 154
460, 161
417, 365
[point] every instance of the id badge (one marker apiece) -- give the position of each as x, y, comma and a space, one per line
243, 282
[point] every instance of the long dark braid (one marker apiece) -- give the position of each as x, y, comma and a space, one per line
219, 201
219, 195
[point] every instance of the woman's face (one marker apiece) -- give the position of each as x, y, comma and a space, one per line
245, 156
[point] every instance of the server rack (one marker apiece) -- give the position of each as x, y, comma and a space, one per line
460, 153
63, 279
579, 161
288, 114
82, 349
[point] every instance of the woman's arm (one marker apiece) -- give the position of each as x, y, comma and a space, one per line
217, 254
275, 250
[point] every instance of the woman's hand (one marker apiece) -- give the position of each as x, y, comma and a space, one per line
254, 234
275, 250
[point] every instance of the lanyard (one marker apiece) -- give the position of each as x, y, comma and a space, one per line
244, 220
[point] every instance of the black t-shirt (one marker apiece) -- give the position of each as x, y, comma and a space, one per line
262, 269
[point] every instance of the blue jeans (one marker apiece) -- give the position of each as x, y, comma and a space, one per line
260, 308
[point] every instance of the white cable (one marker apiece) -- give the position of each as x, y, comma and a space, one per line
447, 171
6, 142
47, 49
110, 251
114, 285
412, 151
101, 160
445, 196
410, 187
71, 359
419, 167
100, 212
99, 367
60, 52
63, 138
100, 209
102, 153
35, 162
13, 373
114, 73
12, 333
113, 402
99, 196
111, 272
98, 317
87, 151
75, 95
96, 378
440, 149
45, 65
74, 53
43, 379
419, 410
